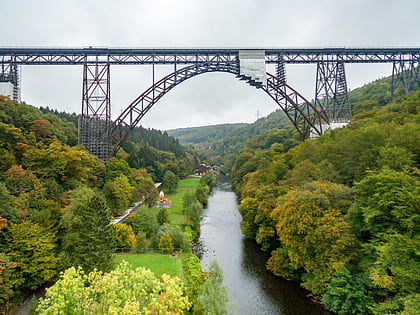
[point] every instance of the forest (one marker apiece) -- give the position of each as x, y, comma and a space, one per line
340, 213
56, 204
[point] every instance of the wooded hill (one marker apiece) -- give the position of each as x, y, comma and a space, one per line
56, 199
340, 213
220, 144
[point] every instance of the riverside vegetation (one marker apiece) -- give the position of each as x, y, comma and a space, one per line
340, 213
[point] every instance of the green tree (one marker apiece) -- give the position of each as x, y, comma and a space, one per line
88, 238
145, 188
124, 236
347, 294
212, 296
116, 167
386, 201
166, 243
32, 249
312, 226
6, 292
7, 208
170, 181
119, 194
248, 209
145, 220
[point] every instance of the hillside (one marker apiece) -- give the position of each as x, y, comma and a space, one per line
151, 149
340, 213
219, 144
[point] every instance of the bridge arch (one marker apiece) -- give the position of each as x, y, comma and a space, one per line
305, 117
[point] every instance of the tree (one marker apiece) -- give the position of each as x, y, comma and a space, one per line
124, 236
347, 294
145, 220
88, 238
212, 296
170, 181
310, 223
7, 209
386, 201
118, 193
248, 209
32, 249
117, 167
145, 188
166, 243
6, 292
121, 291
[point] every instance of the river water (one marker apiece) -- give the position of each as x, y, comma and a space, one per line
252, 289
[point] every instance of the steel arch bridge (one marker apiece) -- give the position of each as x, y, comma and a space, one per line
97, 131
300, 111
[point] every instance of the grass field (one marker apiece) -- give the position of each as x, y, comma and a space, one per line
158, 263
184, 185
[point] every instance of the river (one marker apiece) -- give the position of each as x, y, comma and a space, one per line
252, 289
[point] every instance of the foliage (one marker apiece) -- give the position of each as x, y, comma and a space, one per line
170, 181
32, 251
6, 292
179, 239
312, 227
193, 275
121, 291
145, 189
7, 209
124, 236
144, 220
345, 206
88, 240
213, 295
166, 243
119, 194
387, 201
346, 294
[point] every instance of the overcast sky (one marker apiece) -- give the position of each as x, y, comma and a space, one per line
210, 98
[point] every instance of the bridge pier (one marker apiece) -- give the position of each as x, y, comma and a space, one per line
96, 109
405, 74
9, 80
331, 94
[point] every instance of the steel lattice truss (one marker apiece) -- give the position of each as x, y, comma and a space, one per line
34, 56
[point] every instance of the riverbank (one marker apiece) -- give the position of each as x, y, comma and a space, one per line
252, 288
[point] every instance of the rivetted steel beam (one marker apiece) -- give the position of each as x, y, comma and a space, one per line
63, 56
405, 74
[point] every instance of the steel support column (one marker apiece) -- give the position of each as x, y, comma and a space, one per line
331, 95
96, 109
405, 75
281, 69
9, 73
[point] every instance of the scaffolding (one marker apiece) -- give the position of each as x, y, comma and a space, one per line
94, 137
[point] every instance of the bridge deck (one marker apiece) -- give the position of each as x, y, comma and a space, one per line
74, 56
